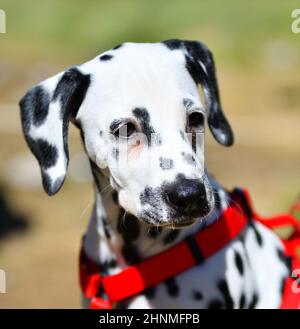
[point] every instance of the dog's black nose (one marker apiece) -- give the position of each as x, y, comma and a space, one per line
188, 196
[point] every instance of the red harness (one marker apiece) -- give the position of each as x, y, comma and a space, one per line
193, 250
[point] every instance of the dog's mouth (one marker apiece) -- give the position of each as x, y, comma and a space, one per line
152, 218
181, 224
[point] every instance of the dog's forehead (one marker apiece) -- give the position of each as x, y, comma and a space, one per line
138, 75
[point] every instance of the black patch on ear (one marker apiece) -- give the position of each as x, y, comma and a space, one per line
196, 52
105, 58
173, 44
166, 163
224, 289
39, 99
46, 153
70, 91
143, 117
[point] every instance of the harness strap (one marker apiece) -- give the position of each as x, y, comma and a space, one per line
164, 265
187, 254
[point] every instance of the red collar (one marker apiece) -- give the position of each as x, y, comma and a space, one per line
193, 250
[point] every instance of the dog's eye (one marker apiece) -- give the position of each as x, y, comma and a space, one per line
125, 131
196, 122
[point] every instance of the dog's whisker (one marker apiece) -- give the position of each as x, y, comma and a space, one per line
89, 205
105, 188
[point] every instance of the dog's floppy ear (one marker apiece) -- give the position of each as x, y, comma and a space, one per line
46, 110
200, 64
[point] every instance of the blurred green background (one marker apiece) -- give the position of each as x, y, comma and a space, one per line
258, 63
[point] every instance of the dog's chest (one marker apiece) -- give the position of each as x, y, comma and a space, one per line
249, 273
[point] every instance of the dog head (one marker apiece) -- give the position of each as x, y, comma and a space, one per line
142, 122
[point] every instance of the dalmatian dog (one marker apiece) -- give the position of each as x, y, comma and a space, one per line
135, 105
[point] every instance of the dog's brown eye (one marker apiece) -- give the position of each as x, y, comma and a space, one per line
196, 122
125, 131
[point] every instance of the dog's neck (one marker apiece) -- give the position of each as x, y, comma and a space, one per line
115, 239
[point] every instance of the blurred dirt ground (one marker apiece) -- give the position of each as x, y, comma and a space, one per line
258, 65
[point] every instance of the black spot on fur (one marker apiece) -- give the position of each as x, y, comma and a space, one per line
115, 153
154, 231
128, 226
217, 199
150, 292
130, 253
106, 227
242, 301
118, 46
100, 133
104, 266
239, 262
257, 235
197, 295
189, 158
215, 304
96, 174
144, 119
282, 285
172, 287
115, 197
188, 103
182, 134
105, 58
150, 196
171, 236
286, 260
254, 301
224, 289
166, 163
